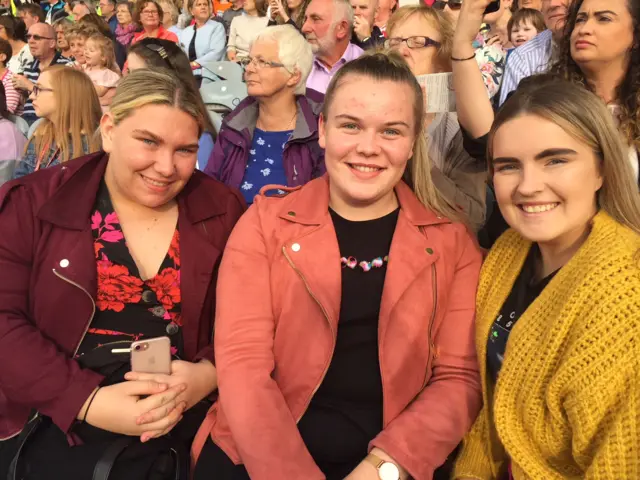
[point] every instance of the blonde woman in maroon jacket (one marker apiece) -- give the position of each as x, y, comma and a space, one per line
345, 310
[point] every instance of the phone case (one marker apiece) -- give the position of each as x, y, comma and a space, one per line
151, 356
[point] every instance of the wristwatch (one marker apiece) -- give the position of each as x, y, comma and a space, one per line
386, 470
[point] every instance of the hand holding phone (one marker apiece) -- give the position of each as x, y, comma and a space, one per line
151, 356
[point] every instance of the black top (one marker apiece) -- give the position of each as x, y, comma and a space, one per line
346, 412
376, 39
127, 307
192, 44
525, 290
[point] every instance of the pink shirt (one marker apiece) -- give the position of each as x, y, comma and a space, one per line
320, 75
103, 77
15, 102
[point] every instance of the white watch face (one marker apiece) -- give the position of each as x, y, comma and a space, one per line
388, 471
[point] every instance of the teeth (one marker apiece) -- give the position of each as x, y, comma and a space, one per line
539, 208
155, 183
362, 168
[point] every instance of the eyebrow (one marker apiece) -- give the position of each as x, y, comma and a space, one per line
599, 12
160, 140
549, 152
346, 116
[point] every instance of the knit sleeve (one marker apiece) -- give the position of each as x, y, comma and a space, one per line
602, 396
473, 461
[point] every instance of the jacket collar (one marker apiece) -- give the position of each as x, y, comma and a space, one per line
245, 117
73, 200
311, 205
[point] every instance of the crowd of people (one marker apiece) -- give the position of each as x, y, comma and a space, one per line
411, 252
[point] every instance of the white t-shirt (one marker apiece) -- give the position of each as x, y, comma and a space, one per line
20, 60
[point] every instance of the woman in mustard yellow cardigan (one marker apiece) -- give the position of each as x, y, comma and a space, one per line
558, 305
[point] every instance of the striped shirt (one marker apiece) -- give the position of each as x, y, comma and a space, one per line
531, 58
32, 72
14, 97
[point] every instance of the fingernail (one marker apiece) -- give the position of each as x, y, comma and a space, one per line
143, 438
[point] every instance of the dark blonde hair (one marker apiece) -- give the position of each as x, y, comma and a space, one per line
106, 48
524, 15
390, 66
437, 19
585, 117
76, 117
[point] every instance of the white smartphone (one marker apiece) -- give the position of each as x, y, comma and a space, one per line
151, 356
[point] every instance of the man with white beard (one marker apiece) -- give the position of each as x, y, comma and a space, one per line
328, 27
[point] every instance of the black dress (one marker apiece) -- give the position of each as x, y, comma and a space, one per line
345, 414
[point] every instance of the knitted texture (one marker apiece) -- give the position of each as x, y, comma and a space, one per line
567, 400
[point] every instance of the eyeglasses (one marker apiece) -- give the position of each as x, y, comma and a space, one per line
37, 38
260, 63
151, 13
412, 42
453, 4
37, 89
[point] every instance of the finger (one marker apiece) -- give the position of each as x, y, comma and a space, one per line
162, 398
161, 427
153, 377
145, 387
159, 413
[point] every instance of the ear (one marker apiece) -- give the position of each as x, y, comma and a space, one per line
3, 58
322, 131
106, 131
342, 30
294, 79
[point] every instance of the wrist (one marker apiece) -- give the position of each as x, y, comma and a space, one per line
462, 48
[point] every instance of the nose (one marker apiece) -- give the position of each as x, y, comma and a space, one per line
164, 164
306, 27
367, 143
403, 49
532, 181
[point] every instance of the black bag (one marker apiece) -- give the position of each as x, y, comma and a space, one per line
164, 458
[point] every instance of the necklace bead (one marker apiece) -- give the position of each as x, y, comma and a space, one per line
352, 263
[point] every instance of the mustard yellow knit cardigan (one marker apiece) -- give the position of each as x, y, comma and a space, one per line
567, 401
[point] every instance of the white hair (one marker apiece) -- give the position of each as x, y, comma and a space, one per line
170, 7
293, 51
342, 10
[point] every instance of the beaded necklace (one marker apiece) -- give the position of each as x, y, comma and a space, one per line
352, 262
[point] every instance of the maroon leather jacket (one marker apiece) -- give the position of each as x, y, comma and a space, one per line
48, 282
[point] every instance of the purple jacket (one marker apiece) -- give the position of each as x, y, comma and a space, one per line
303, 158
48, 282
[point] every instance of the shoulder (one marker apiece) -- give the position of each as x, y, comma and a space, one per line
314, 99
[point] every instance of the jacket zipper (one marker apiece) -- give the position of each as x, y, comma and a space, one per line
93, 304
326, 315
432, 347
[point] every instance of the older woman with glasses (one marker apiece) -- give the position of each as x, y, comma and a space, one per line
272, 136
149, 15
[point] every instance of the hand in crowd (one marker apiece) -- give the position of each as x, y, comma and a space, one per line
494, 40
469, 23
199, 378
277, 8
117, 408
231, 55
22, 83
362, 28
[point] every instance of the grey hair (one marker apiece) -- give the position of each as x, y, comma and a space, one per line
342, 10
172, 9
293, 51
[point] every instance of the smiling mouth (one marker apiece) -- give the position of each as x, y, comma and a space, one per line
155, 183
364, 168
538, 208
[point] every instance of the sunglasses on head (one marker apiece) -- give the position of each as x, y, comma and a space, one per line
453, 4
37, 38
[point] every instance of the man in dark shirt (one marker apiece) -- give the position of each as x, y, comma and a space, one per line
108, 11
365, 33
231, 13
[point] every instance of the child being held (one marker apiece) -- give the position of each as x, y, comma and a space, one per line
525, 24
77, 36
100, 65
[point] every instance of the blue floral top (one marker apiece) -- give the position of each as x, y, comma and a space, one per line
491, 60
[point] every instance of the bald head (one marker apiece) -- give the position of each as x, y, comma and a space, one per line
42, 41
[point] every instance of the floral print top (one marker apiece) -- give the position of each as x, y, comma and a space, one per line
491, 60
127, 307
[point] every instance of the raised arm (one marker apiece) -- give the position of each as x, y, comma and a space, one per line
475, 112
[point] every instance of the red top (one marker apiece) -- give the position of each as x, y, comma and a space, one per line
163, 34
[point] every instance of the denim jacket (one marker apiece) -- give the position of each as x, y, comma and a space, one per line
30, 159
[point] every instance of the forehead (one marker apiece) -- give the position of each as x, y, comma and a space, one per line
267, 49
44, 79
377, 101
322, 8
361, 3
617, 6
416, 25
39, 29
149, 6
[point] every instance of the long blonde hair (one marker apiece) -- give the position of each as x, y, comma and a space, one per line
144, 87
585, 117
390, 66
76, 117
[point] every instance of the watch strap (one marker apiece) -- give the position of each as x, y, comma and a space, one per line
374, 460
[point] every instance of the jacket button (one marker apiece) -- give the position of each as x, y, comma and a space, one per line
295, 247
172, 328
429, 251
291, 214
64, 263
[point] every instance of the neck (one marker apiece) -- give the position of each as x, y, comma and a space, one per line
16, 45
278, 112
252, 13
332, 57
556, 254
382, 19
3, 69
152, 31
605, 79
361, 212
124, 25
45, 61
200, 22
